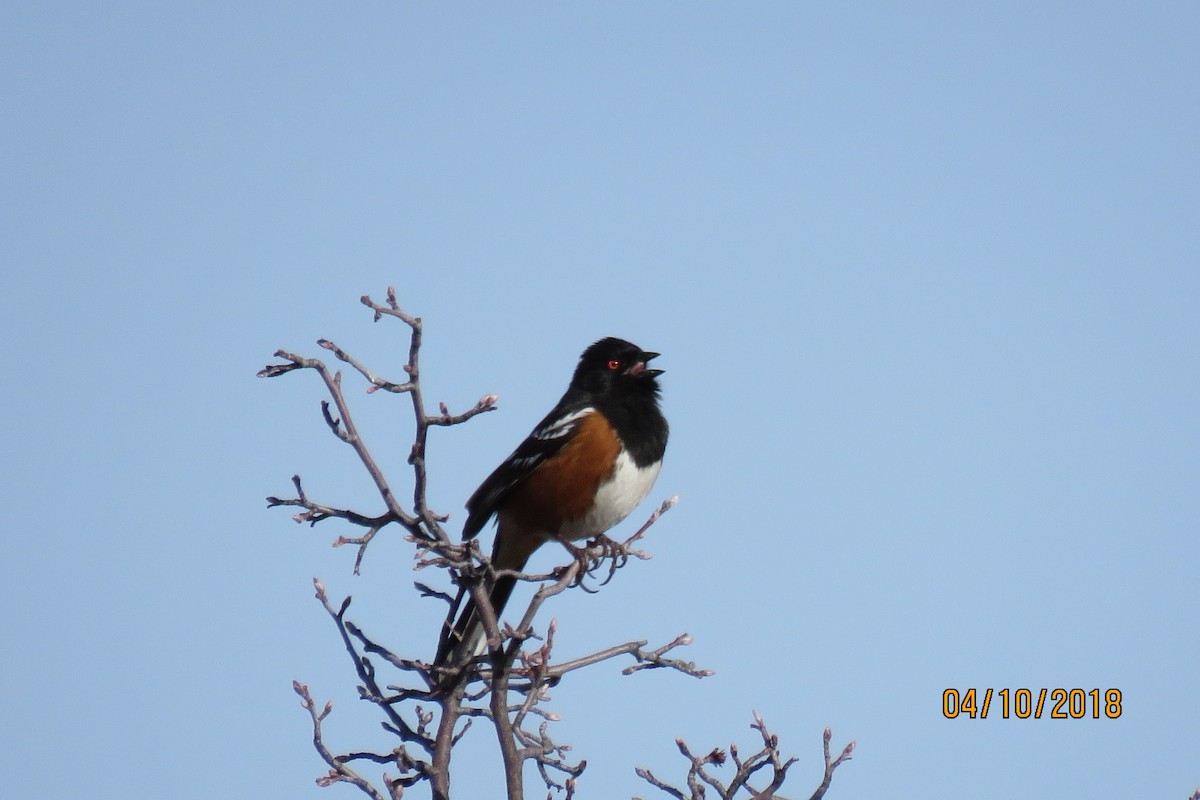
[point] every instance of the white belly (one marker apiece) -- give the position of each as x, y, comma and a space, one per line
615, 499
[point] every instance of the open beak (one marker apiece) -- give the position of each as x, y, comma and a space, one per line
640, 367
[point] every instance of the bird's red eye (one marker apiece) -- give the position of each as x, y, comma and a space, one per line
614, 364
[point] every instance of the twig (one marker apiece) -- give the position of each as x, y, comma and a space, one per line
645, 659
699, 775
366, 671
344, 428
338, 771
413, 388
831, 765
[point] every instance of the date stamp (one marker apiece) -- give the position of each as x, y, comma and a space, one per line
1035, 703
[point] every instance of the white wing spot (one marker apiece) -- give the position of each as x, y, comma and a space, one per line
561, 427
528, 461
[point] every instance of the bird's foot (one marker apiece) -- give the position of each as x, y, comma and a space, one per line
592, 556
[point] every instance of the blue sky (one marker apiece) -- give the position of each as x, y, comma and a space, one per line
923, 276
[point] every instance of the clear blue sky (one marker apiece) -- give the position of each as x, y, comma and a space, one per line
925, 281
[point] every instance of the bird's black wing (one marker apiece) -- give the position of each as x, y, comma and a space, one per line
550, 435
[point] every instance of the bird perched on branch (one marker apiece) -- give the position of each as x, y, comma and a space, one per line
582, 470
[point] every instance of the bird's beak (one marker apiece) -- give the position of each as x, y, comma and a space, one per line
640, 367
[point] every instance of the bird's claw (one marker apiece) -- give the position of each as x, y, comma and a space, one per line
591, 557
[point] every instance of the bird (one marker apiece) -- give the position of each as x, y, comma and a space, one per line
585, 467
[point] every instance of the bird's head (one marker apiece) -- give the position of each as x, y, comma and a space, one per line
615, 364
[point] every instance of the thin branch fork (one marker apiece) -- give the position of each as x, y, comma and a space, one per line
422, 523
316, 512
417, 455
699, 775
645, 659
366, 670
344, 427
832, 764
338, 771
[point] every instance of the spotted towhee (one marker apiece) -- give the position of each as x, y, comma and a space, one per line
582, 470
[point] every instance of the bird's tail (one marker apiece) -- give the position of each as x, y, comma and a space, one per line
510, 553
464, 641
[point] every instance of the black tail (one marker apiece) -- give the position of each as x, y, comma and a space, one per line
460, 643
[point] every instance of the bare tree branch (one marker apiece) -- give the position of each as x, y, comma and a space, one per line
338, 771
429, 709
831, 765
700, 777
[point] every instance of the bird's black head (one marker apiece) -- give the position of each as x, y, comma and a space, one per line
614, 363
